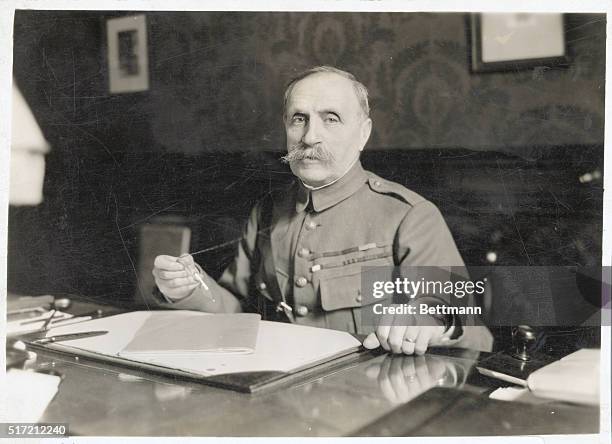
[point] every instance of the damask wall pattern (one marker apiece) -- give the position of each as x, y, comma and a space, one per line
415, 65
217, 81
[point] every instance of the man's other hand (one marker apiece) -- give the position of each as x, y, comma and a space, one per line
398, 336
175, 276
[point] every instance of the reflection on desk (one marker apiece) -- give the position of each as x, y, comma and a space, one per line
403, 378
447, 412
102, 400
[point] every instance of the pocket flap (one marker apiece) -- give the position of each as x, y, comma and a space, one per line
340, 292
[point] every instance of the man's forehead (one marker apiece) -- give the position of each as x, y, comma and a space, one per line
323, 90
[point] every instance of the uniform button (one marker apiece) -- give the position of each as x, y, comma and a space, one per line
358, 298
301, 281
377, 183
311, 225
262, 286
301, 310
304, 252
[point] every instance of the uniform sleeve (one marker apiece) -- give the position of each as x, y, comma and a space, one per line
232, 289
237, 276
424, 240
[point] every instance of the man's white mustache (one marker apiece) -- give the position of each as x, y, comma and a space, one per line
299, 151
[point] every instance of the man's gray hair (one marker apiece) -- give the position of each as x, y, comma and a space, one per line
360, 90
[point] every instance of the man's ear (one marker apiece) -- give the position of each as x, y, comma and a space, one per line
366, 130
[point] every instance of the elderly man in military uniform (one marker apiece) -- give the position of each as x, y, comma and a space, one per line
302, 250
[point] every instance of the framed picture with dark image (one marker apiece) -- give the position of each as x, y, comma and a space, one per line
514, 41
127, 54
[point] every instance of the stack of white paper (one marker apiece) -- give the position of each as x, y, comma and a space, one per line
27, 395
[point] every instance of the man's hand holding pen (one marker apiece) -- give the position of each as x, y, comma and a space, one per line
177, 277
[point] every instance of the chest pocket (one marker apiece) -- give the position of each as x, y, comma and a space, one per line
339, 275
341, 300
340, 292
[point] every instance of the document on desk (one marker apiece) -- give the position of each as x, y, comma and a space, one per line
574, 378
27, 394
280, 349
34, 321
161, 334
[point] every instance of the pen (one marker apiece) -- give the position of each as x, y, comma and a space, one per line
196, 275
70, 321
39, 319
201, 281
70, 337
48, 321
204, 286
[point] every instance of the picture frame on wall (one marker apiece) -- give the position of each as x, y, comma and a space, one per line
514, 41
128, 64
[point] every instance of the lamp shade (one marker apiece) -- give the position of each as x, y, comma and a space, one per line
28, 149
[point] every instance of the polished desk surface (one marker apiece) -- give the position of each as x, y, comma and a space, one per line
383, 395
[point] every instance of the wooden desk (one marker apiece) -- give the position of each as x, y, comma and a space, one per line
439, 395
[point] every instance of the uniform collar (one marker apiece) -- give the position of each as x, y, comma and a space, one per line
328, 196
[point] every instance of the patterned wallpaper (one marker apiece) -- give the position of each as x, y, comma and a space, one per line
415, 65
217, 80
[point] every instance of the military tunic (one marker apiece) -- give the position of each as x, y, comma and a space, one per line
304, 249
